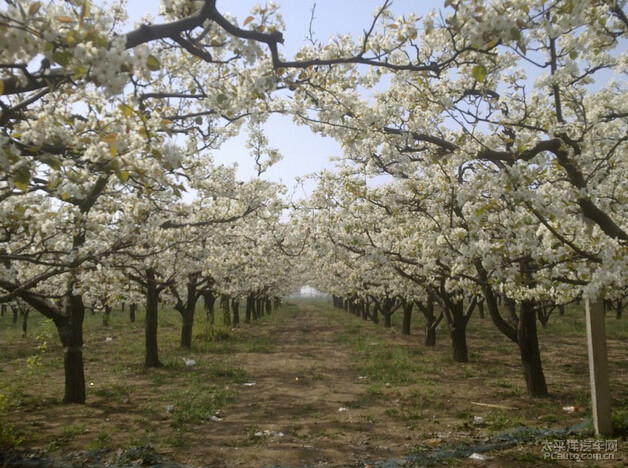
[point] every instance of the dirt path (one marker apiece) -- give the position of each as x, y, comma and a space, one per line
299, 411
306, 387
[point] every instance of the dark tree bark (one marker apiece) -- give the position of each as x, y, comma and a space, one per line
365, 310
235, 310
70, 329
209, 301
529, 350
151, 357
459, 344
106, 316
25, 323
132, 312
187, 311
224, 305
257, 311
457, 317
407, 317
387, 308
269, 306
431, 322
249, 310
375, 313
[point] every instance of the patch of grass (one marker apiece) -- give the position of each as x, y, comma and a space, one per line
178, 439
68, 433
498, 421
145, 453
620, 422
113, 391
9, 438
390, 364
197, 404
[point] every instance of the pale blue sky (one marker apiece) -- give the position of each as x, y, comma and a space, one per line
303, 151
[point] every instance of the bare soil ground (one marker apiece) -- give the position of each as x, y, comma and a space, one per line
306, 387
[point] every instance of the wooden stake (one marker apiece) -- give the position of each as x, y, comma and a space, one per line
598, 368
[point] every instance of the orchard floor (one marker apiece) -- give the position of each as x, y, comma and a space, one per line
307, 386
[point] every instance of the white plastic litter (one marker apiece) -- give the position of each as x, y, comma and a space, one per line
248, 384
189, 362
169, 408
478, 420
268, 433
342, 409
478, 457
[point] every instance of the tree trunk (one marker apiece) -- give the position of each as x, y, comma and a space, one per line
269, 306
70, 330
188, 312
459, 344
106, 316
430, 321
430, 333
257, 311
209, 300
457, 318
387, 310
249, 310
407, 318
151, 358
224, 305
235, 310
528, 342
25, 323
481, 308
375, 313
132, 311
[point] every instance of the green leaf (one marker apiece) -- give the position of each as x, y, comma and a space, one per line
21, 178
51, 161
222, 99
123, 176
515, 33
152, 63
573, 55
125, 109
62, 57
479, 73
198, 120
